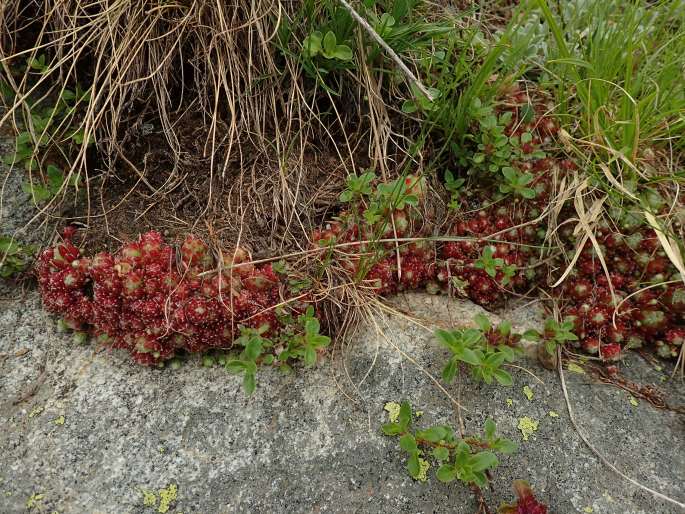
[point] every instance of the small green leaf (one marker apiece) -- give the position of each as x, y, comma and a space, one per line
309, 356
433, 434
441, 453
343, 53
413, 465
312, 326
490, 429
249, 383
531, 335
446, 473
312, 44
483, 460
509, 173
235, 366
505, 446
392, 429
329, 44
450, 370
503, 377
469, 357
483, 322
404, 418
527, 193
408, 443
480, 479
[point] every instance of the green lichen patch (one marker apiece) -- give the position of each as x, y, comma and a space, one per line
528, 392
527, 426
149, 498
34, 500
424, 466
393, 409
573, 367
36, 411
167, 497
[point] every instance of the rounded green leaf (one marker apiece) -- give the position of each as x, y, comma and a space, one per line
446, 473
505, 446
249, 383
343, 52
483, 460
441, 453
391, 429
330, 43
490, 428
503, 377
408, 443
433, 434
469, 357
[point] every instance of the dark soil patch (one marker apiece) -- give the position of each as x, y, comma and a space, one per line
267, 205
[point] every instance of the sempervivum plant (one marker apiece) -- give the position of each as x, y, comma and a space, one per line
637, 266
492, 254
141, 300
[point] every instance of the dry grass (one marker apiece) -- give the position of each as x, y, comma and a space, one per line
205, 74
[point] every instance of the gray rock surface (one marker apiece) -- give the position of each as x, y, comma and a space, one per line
99, 432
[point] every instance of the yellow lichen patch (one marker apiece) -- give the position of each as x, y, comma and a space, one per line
527, 426
393, 409
36, 410
510, 402
553, 414
166, 497
633, 401
588, 510
424, 466
528, 392
34, 500
59, 420
149, 498
572, 366
418, 413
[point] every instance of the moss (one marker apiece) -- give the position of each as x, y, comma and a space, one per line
166, 497
527, 426
393, 409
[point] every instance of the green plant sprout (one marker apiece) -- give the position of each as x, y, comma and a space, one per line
467, 459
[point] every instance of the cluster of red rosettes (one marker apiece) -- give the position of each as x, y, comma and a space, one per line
493, 255
153, 300
385, 256
627, 304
